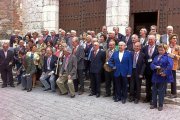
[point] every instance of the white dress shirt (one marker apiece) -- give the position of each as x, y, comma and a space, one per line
121, 55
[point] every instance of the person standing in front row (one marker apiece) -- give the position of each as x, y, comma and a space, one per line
150, 52
68, 73
6, 63
162, 74
121, 62
97, 59
137, 73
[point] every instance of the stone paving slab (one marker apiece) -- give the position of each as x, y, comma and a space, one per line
16, 104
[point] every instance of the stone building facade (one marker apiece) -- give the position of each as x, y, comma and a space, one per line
30, 15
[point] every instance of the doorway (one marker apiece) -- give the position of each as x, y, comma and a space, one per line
144, 19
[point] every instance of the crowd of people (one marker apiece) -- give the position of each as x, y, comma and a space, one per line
65, 61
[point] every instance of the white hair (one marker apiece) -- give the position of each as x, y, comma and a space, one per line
73, 31
169, 27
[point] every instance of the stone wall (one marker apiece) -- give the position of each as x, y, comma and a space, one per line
117, 14
10, 19
40, 14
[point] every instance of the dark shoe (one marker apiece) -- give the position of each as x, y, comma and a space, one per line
12, 85
97, 95
123, 101
29, 90
73, 96
3, 86
130, 100
18, 83
153, 107
160, 108
53, 91
91, 94
173, 96
64, 94
24, 89
116, 100
146, 101
107, 95
136, 101
80, 93
47, 89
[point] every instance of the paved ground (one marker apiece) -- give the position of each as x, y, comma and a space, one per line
16, 104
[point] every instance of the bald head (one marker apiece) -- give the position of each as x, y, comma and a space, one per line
137, 46
111, 45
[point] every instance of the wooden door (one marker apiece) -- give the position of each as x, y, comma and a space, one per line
82, 15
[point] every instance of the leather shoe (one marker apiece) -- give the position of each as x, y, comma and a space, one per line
24, 89
160, 108
80, 93
12, 85
116, 100
107, 95
29, 90
146, 101
97, 95
136, 101
123, 101
64, 94
73, 96
153, 107
91, 94
3, 86
47, 89
130, 100
173, 96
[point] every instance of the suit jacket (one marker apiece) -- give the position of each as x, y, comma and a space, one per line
106, 66
97, 61
71, 67
163, 39
12, 39
124, 67
147, 57
140, 65
166, 63
129, 43
145, 41
47, 38
52, 64
8, 61
80, 55
119, 37
54, 40
29, 65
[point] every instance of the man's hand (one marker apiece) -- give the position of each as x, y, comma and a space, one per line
140, 76
60, 75
163, 75
158, 67
52, 72
128, 76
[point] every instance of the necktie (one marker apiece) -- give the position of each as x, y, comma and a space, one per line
150, 50
110, 54
66, 63
134, 60
48, 62
32, 55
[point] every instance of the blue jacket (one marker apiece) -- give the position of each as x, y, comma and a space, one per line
166, 63
124, 67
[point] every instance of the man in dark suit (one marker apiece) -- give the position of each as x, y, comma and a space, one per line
46, 36
6, 63
127, 39
97, 59
78, 51
137, 73
150, 52
16, 35
53, 39
48, 70
121, 62
118, 36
